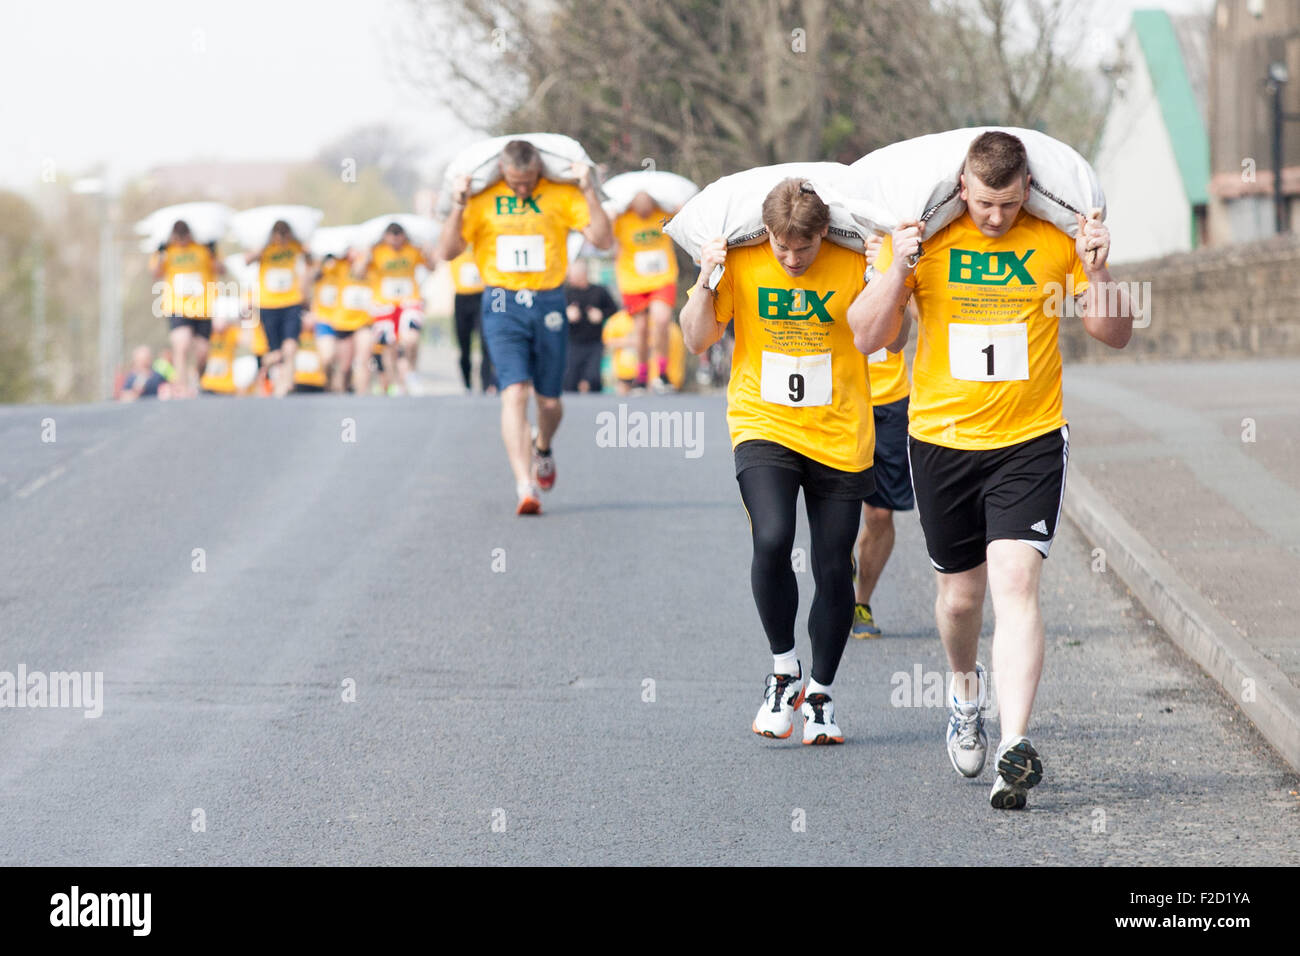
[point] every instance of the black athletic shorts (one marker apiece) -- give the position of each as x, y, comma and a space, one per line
281, 325
818, 479
967, 498
889, 463
200, 327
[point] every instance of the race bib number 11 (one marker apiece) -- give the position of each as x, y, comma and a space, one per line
521, 253
989, 353
796, 380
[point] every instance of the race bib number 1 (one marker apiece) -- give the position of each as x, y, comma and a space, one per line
521, 253
989, 353
796, 380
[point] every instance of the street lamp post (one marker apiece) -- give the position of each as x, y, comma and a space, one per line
110, 305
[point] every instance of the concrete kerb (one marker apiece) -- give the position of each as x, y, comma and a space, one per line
1255, 683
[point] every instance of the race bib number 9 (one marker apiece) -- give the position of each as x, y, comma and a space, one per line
279, 280
650, 263
989, 353
356, 297
394, 288
521, 253
796, 380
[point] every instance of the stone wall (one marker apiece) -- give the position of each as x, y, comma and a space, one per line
1227, 302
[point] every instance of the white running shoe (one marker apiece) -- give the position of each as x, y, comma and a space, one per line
968, 744
1019, 768
783, 693
819, 725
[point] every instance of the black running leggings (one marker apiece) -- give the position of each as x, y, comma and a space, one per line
467, 307
771, 496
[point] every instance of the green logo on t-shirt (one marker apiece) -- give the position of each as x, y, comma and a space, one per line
793, 305
514, 206
988, 268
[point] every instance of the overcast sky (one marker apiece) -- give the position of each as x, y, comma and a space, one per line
137, 83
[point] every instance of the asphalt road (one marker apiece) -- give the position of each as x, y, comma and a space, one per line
499, 665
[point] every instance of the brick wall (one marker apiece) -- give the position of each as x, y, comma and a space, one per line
1226, 302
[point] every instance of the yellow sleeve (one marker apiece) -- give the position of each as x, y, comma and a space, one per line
885, 259
724, 302
1077, 270
469, 220
579, 214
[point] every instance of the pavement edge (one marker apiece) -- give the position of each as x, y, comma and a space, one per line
1194, 625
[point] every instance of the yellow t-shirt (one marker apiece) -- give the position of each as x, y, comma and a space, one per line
392, 273
325, 293
279, 284
987, 372
464, 273
523, 243
797, 379
219, 373
355, 298
189, 272
645, 255
624, 360
888, 373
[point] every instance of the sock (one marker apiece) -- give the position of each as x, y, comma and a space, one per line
523, 489
967, 705
787, 663
663, 367
642, 372
815, 687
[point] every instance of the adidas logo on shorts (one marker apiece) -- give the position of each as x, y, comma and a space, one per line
1040, 526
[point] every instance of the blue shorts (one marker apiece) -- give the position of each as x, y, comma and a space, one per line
281, 324
527, 335
893, 476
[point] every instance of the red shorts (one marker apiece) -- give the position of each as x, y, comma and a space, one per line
390, 319
637, 302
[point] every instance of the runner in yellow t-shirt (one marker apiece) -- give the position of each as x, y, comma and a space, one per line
988, 442
395, 267
468, 284
890, 385
342, 323
646, 270
519, 228
799, 412
282, 265
187, 272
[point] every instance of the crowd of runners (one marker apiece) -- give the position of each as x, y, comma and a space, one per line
819, 397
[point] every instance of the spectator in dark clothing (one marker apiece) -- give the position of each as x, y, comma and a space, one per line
589, 307
143, 380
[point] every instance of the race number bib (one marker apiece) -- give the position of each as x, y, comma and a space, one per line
217, 367
989, 353
187, 285
306, 362
356, 297
469, 276
328, 296
521, 253
394, 288
796, 380
879, 355
279, 280
650, 263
